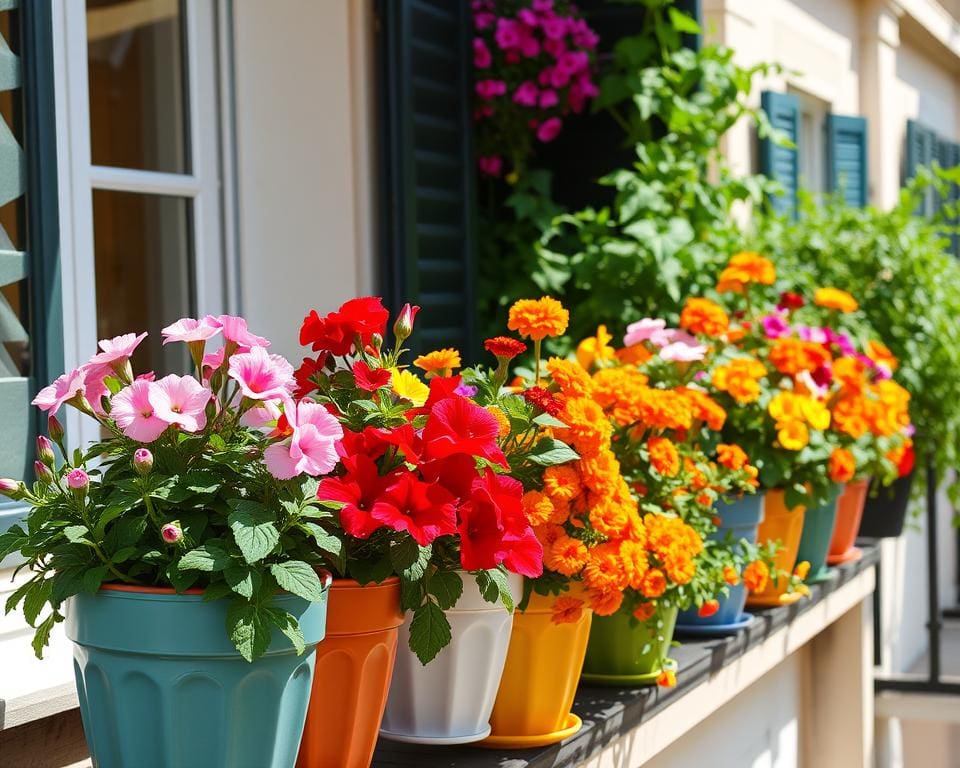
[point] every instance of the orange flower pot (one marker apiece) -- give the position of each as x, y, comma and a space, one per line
352, 677
849, 513
540, 678
786, 526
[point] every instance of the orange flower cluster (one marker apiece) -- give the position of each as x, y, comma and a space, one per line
664, 456
731, 456
740, 378
834, 298
440, 362
756, 575
881, 408
538, 318
705, 317
743, 269
790, 356
841, 466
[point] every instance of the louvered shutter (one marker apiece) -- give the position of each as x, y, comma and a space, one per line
847, 158
427, 237
778, 162
948, 155
921, 150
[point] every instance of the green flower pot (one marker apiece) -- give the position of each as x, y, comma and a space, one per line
161, 685
818, 526
625, 651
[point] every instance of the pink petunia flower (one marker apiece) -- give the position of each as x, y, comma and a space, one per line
180, 400
809, 333
643, 330
526, 94
491, 165
507, 34
549, 129
775, 326
548, 98
311, 449
134, 413
263, 415
262, 376
65, 388
95, 386
482, 58
235, 329
683, 349
188, 329
118, 349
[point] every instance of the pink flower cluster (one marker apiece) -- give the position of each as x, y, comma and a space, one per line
534, 66
672, 343
241, 380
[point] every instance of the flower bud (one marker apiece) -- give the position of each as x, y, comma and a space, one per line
376, 341
43, 473
55, 429
142, 461
12, 489
45, 451
172, 533
78, 480
404, 325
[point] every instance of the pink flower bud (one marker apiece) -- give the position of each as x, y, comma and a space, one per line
11, 488
142, 461
172, 532
55, 429
43, 473
45, 451
78, 480
404, 325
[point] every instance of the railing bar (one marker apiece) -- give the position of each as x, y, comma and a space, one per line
933, 592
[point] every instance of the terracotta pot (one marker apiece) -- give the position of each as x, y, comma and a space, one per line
786, 526
354, 667
449, 700
849, 513
540, 678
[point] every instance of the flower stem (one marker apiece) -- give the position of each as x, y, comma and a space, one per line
536, 354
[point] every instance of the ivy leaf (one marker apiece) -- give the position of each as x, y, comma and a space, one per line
298, 578
248, 628
210, 557
446, 586
41, 637
549, 452
253, 529
429, 632
243, 581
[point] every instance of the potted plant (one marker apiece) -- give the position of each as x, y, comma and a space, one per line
423, 507
180, 556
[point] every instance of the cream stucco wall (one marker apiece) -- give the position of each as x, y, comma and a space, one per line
303, 98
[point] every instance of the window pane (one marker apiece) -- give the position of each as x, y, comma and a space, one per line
143, 272
138, 92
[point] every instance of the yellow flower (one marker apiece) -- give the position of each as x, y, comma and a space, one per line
409, 387
785, 406
834, 298
815, 413
802, 569
538, 318
595, 349
438, 363
793, 435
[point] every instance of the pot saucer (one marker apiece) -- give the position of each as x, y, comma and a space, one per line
715, 630
822, 576
647, 678
435, 740
572, 725
773, 601
850, 556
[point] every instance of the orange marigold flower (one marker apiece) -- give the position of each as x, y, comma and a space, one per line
547, 534
740, 378
635, 563
731, 456
572, 380
503, 423
604, 570
705, 317
538, 318
664, 456
504, 347
654, 583
834, 298
608, 517
605, 603
562, 483
704, 407
730, 575
645, 611
756, 575
566, 555
881, 355
791, 356
537, 507
667, 678
438, 363
635, 355
745, 268
841, 465
567, 610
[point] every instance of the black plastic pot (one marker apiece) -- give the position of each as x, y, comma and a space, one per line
886, 509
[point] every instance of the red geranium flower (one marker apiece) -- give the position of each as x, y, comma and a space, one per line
494, 530
457, 425
504, 347
305, 373
370, 379
359, 490
790, 300
544, 400
338, 331
905, 467
424, 510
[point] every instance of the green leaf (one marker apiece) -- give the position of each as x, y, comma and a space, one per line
410, 559
326, 541
446, 586
212, 556
289, 626
366, 571
411, 594
549, 452
217, 591
14, 600
11, 540
546, 420
109, 514
41, 638
77, 534
181, 580
69, 582
298, 578
244, 581
682, 22
254, 530
37, 596
494, 586
429, 632
248, 628
122, 555
93, 578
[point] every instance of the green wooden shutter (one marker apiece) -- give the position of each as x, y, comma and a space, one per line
777, 162
921, 150
427, 235
948, 155
31, 326
847, 158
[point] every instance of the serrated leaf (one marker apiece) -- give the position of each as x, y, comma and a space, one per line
93, 578
404, 553
254, 530
289, 626
446, 586
181, 580
326, 541
241, 580
69, 582
109, 514
212, 556
36, 597
429, 632
546, 420
41, 638
549, 452
365, 571
77, 534
217, 591
11, 540
122, 555
298, 578
411, 595
248, 629
14, 600
494, 586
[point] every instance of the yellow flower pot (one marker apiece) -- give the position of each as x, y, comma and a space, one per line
540, 678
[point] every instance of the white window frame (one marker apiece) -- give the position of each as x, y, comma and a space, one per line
812, 143
208, 187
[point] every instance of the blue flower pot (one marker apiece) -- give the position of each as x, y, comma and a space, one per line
740, 518
817, 531
161, 685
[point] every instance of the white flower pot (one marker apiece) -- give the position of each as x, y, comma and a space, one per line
449, 701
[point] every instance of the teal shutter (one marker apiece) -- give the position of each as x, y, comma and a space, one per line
948, 155
777, 162
427, 234
921, 150
847, 158
31, 346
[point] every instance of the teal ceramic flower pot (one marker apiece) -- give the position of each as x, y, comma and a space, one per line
161, 685
739, 518
817, 532
625, 651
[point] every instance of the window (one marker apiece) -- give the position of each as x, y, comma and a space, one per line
811, 144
